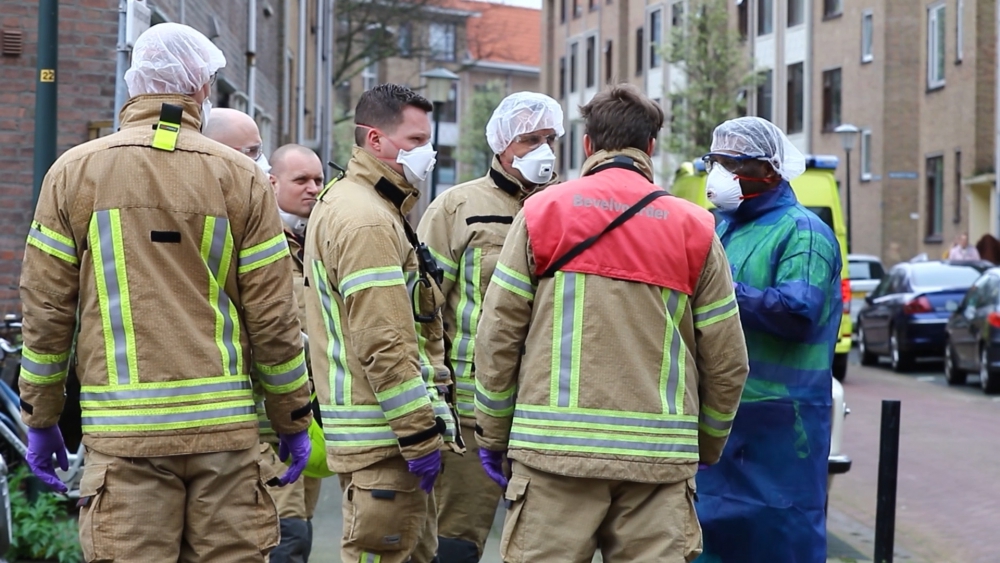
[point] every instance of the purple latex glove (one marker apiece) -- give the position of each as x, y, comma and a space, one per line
299, 447
42, 443
702, 466
427, 468
493, 465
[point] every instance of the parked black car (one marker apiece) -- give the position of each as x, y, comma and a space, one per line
905, 316
973, 335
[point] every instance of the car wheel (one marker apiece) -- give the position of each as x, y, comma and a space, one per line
867, 357
901, 361
840, 367
989, 380
952, 373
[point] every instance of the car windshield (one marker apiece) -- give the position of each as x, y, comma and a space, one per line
826, 214
944, 275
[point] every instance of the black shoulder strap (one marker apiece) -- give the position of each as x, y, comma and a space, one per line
587, 243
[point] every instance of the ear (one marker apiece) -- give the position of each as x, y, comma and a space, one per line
588, 149
374, 140
651, 148
274, 181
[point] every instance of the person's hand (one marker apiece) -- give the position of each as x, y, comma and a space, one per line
42, 444
427, 468
299, 448
493, 465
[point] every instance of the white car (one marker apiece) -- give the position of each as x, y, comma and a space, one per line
839, 462
865, 273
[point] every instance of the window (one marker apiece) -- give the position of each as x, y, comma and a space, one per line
831, 99
562, 77
561, 157
369, 76
594, 4
743, 9
866, 155
796, 13
404, 40
445, 164
572, 66
591, 61
449, 109
655, 36
935, 46
796, 98
765, 17
833, 8
677, 14
608, 62
572, 146
959, 32
639, 46
867, 37
577, 9
442, 41
562, 11
764, 94
934, 195
957, 218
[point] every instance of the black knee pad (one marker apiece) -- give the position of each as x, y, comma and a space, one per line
451, 550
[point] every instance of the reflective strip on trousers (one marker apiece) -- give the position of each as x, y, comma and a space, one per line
672, 366
465, 397
339, 373
108, 253
174, 418
367, 557
567, 329
217, 253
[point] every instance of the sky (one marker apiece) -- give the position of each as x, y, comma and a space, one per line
537, 4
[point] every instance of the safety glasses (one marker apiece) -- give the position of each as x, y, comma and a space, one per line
534, 140
731, 163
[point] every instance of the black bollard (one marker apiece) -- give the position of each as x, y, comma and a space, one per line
888, 471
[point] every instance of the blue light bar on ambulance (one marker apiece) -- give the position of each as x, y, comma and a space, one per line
822, 161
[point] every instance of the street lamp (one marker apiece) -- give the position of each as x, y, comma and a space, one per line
848, 135
438, 82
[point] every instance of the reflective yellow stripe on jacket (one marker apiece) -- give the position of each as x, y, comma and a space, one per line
44, 369
52, 243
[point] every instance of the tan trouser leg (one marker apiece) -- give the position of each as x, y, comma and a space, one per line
651, 523
385, 512
312, 489
466, 497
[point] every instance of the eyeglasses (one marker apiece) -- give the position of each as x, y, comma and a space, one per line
211, 81
731, 163
253, 152
535, 140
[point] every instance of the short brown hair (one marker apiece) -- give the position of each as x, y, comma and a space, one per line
382, 107
621, 117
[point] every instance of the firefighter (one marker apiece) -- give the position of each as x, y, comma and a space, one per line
373, 307
766, 498
295, 184
609, 358
465, 229
170, 248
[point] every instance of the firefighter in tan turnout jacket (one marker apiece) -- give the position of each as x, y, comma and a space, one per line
465, 228
376, 338
607, 370
169, 247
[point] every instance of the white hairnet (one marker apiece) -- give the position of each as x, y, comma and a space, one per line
520, 113
754, 136
171, 58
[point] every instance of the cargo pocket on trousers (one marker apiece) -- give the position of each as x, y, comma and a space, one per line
268, 530
95, 526
692, 529
511, 542
384, 510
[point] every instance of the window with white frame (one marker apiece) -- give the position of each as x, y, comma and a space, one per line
959, 32
867, 36
866, 155
591, 54
765, 17
573, 59
655, 37
677, 14
796, 12
442, 41
935, 46
264, 125
369, 76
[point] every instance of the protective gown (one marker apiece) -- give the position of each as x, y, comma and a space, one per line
764, 500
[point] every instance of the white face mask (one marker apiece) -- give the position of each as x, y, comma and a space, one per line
294, 223
206, 110
417, 163
537, 165
263, 163
723, 189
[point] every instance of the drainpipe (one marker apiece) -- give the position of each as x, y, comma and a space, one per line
326, 81
121, 62
46, 90
252, 58
318, 71
183, 19
300, 81
995, 203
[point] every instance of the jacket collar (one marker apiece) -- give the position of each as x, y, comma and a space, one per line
145, 110
366, 170
512, 185
780, 197
642, 161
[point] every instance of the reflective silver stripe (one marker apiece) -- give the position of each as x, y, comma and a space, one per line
336, 345
646, 446
469, 386
403, 399
511, 280
721, 309
106, 240
463, 347
380, 435
448, 268
220, 233
370, 558
347, 286
58, 245
262, 254
568, 298
495, 405
279, 379
165, 393
352, 414
715, 424
134, 419
44, 370
616, 420
673, 375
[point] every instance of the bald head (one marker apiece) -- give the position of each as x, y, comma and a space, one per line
234, 129
297, 177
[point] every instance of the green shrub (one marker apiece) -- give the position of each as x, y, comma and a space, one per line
42, 529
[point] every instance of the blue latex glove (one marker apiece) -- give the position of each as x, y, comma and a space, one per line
493, 465
299, 447
42, 444
427, 468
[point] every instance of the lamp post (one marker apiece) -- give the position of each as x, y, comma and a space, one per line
848, 135
438, 82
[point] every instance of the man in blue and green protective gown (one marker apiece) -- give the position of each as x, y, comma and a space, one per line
764, 500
